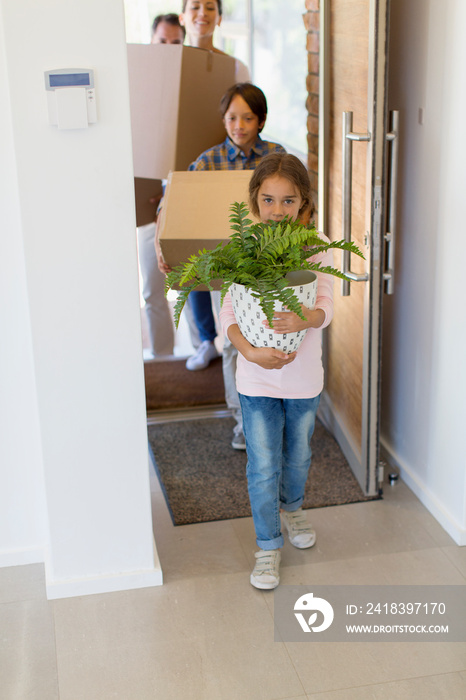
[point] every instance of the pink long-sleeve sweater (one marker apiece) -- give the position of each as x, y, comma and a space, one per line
304, 377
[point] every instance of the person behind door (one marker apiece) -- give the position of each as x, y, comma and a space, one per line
280, 393
166, 29
200, 18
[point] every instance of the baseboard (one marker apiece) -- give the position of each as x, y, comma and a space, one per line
425, 495
109, 583
103, 584
21, 557
329, 419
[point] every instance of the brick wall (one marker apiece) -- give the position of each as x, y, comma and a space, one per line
311, 22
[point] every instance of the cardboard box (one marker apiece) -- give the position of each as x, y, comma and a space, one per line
196, 211
145, 190
175, 93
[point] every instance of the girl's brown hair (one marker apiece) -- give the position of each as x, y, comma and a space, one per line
286, 165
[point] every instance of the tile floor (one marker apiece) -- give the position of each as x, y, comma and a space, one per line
206, 634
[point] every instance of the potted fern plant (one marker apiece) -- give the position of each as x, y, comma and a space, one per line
263, 264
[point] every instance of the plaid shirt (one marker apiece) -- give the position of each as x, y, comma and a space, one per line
227, 156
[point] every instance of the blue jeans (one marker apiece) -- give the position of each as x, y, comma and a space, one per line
278, 435
201, 306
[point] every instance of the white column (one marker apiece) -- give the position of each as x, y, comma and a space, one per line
74, 220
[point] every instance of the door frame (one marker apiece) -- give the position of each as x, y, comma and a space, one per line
363, 458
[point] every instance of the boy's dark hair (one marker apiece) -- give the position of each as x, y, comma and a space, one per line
219, 5
170, 18
251, 94
286, 165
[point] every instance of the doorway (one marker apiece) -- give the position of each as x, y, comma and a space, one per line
253, 31
344, 71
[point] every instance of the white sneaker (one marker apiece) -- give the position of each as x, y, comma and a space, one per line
201, 359
238, 442
300, 533
266, 571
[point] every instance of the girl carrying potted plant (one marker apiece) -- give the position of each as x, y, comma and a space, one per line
279, 392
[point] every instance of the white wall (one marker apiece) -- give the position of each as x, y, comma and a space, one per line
22, 506
71, 309
424, 376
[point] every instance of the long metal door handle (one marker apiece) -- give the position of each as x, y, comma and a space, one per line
346, 196
393, 140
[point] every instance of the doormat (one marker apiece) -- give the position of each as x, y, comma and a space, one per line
204, 479
170, 385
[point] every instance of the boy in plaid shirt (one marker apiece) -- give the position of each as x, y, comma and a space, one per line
244, 111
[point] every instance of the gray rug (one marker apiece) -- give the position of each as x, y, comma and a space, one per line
204, 479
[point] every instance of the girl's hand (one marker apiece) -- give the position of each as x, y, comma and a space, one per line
269, 358
289, 322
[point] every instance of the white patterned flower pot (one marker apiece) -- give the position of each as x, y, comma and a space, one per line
250, 316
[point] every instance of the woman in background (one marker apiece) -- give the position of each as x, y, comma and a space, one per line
200, 18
